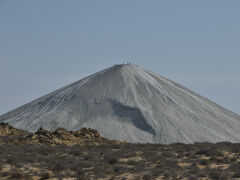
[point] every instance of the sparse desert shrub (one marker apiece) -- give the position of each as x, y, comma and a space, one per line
193, 156
216, 159
44, 150
225, 160
193, 170
59, 175
236, 175
169, 173
74, 166
101, 171
202, 152
224, 176
115, 146
168, 154
234, 167
156, 172
58, 166
192, 177
180, 155
187, 154
87, 157
193, 164
235, 148
116, 169
132, 162
201, 173
152, 156
45, 176
79, 172
4, 174
10, 160
214, 174
75, 152
112, 160
233, 159
171, 163
217, 153
81, 177
16, 175
128, 154
204, 162
147, 176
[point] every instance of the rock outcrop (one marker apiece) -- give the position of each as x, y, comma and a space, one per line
11, 135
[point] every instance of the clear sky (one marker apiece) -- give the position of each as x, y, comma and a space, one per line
46, 44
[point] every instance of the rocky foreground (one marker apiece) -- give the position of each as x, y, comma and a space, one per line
84, 154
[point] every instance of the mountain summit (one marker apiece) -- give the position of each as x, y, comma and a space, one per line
126, 102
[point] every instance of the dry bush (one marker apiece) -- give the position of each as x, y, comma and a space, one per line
204, 162
234, 167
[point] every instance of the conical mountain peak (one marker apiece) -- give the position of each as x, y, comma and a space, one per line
127, 102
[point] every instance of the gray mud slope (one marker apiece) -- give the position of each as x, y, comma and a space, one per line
126, 102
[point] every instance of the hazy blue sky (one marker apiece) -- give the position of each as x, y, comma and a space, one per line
46, 44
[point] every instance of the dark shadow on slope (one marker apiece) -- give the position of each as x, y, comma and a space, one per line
132, 114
